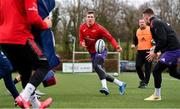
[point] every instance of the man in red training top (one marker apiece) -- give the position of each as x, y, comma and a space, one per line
89, 33
17, 42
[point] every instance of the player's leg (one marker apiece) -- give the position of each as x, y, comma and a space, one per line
140, 59
147, 72
25, 71
174, 68
17, 79
36, 104
5, 71
121, 85
41, 69
98, 67
5, 65
174, 72
98, 62
158, 69
20, 54
10, 85
15, 55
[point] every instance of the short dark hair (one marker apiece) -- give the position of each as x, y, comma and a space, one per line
148, 11
90, 12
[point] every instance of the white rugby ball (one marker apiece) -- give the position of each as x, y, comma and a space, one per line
100, 45
115, 74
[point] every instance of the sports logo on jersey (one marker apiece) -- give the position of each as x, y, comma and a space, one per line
163, 59
33, 8
143, 39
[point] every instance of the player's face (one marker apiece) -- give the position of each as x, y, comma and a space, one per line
90, 19
146, 18
142, 23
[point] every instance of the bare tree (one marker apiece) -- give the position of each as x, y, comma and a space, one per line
118, 16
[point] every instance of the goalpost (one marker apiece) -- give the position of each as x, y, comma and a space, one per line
78, 52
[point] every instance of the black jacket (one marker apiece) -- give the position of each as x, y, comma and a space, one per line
164, 36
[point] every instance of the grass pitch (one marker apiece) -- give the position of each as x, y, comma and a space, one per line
82, 91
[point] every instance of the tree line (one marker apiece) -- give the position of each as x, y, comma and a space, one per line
119, 16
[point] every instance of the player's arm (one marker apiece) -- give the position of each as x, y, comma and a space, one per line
33, 16
161, 36
109, 37
135, 41
81, 39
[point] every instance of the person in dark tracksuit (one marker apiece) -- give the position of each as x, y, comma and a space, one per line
168, 44
5, 73
142, 40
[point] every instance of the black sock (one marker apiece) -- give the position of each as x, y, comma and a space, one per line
15, 81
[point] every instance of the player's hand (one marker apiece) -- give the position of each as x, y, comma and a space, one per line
48, 21
151, 56
119, 49
133, 46
83, 44
158, 55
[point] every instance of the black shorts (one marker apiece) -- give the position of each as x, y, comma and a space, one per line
22, 56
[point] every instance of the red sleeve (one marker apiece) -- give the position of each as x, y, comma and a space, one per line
33, 16
109, 37
80, 35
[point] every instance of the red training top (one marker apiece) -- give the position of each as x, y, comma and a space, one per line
16, 19
90, 35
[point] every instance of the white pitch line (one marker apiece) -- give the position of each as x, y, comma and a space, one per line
172, 79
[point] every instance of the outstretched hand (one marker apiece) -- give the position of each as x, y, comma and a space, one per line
119, 49
48, 21
83, 44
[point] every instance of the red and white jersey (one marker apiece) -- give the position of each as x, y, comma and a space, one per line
90, 35
16, 19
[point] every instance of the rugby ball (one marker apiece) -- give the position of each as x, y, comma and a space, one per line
100, 45
115, 74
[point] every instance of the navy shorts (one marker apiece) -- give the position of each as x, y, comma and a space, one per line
103, 55
170, 57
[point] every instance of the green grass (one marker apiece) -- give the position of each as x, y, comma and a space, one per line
82, 91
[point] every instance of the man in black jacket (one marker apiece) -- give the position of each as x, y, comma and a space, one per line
168, 44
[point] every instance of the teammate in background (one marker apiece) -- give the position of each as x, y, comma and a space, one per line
89, 33
142, 40
17, 43
168, 44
